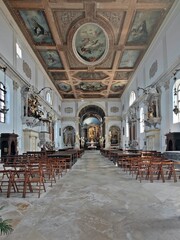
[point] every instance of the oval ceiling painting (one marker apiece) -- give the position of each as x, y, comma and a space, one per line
90, 44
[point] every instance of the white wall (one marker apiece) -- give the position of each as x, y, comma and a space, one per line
10, 35
165, 50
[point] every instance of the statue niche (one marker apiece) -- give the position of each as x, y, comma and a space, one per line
153, 110
114, 135
69, 136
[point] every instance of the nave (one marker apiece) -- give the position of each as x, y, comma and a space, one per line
97, 200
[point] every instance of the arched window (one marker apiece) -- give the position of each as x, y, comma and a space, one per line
176, 101
2, 102
49, 97
132, 98
127, 127
141, 120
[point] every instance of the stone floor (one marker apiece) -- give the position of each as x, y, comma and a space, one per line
96, 200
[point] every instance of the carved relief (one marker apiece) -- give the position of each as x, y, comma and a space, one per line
153, 69
68, 110
116, 19
26, 69
65, 19
114, 109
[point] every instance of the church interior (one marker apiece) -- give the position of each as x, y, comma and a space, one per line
75, 72
90, 85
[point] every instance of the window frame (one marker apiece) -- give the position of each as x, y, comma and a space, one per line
2, 101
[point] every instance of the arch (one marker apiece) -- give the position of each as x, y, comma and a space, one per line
86, 105
69, 136
115, 135
132, 98
91, 125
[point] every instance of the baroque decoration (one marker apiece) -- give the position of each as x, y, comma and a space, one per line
100, 41
90, 43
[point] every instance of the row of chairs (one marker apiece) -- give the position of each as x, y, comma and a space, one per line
150, 168
30, 176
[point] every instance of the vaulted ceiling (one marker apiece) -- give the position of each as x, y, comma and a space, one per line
89, 49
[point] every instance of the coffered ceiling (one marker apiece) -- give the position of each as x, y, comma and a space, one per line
89, 49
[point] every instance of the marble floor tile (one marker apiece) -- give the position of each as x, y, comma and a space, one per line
96, 200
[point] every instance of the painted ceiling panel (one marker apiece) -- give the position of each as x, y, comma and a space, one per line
36, 24
51, 58
90, 49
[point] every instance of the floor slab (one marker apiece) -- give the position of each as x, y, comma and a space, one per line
97, 200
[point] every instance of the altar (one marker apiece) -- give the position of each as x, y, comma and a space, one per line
92, 145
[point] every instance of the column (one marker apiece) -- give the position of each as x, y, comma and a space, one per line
77, 139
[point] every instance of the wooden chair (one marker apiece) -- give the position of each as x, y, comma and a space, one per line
5, 176
35, 180
143, 170
48, 172
18, 180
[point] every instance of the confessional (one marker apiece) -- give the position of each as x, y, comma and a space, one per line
9, 144
173, 141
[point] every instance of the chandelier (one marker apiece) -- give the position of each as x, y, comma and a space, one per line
176, 109
3, 108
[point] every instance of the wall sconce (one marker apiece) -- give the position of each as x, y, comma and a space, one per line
42, 90
3, 109
176, 110
148, 90
144, 90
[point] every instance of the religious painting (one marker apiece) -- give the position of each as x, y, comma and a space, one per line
144, 24
36, 24
51, 58
90, 75
65, 87
122, 75
91, 87
117, 87
115, 134
90, 43
68, 96
129, 58
59, 76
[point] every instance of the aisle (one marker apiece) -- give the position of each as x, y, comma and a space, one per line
97, 201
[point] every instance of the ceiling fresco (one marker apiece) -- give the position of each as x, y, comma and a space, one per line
37, 26
90, 43
89, 49
65, 87
91, 75
91, 87
129, 58
51, 58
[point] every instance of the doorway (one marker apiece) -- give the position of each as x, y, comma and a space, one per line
91, 127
